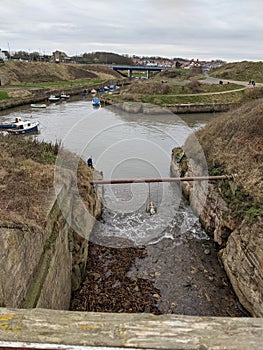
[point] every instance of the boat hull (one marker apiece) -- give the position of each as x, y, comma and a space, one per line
7, 126
22, 131
33, 105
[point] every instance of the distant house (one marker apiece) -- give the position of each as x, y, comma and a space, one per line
59, 57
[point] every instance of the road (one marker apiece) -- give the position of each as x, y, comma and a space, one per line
211, 80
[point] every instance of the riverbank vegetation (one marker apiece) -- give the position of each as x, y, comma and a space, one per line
243, 71
167, 88
16, 76
27, 179
3, 95
233, 145
179, 74
165, 94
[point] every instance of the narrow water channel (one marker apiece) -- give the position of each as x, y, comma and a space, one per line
170, 263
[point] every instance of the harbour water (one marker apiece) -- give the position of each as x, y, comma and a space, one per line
124, 145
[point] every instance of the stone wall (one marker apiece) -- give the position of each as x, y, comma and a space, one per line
200, 107
240, 244
39, 267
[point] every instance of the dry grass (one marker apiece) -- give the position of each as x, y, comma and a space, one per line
240, 71
35, 72
27, 180
233, 144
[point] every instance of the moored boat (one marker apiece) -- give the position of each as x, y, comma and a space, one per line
53, 98
96, 102
64, 96
23, 127
38, 105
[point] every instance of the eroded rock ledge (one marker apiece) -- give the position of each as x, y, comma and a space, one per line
231, 210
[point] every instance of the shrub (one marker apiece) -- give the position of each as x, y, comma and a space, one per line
166, 89
253, 213
195, 86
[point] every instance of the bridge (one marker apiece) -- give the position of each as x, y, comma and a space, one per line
130, 69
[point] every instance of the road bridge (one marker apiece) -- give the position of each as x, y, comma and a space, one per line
130, 69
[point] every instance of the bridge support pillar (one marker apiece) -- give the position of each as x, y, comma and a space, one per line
129, 73
148, 74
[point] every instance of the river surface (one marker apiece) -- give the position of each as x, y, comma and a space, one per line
139, 145
125, 145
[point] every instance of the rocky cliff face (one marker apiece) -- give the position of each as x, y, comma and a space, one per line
231, 210
40, 267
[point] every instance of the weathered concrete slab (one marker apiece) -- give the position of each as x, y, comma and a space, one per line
52, 329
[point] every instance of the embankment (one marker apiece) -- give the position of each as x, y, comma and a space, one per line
39, 95
231, 210
43, 233
32, 82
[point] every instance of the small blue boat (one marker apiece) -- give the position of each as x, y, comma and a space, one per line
96, 102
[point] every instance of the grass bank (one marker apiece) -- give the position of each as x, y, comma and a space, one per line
164, 94
243, 71
233, 144
27, 179
18, 77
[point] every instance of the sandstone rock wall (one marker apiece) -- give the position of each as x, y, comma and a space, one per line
39, 268
240, 244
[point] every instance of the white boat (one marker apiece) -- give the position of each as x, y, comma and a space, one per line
64, 96
53, 98
93, 92
38, 105
23, 127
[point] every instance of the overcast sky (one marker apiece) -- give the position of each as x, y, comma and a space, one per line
231, 30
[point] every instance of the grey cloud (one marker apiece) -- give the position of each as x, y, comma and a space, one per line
183, 27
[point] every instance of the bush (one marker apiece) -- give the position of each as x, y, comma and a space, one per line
166, 89
252, 94
195, 87
253, 213
3, 95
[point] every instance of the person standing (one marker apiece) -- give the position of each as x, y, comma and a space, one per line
90, 162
